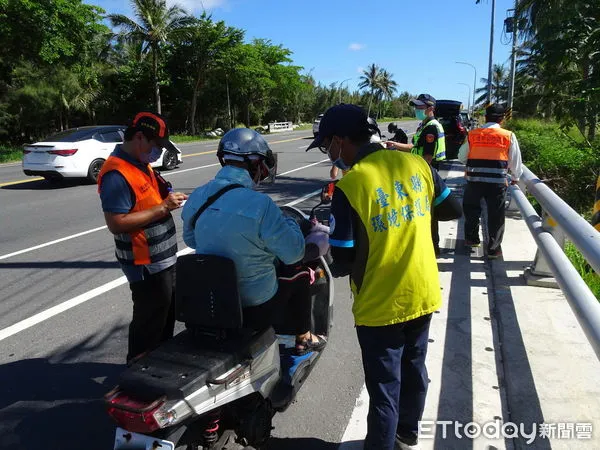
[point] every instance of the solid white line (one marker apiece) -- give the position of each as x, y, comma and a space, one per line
64, 306
356, 431
86, 296
83, 233
303, 167
73, 236
166, 174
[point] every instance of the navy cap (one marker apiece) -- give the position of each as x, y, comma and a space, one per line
495, 110
341, 120
423, 100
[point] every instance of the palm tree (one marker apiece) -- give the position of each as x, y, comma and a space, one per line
156, 25
370, 79
387, 87
499, 86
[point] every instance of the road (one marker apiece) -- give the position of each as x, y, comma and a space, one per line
65, 308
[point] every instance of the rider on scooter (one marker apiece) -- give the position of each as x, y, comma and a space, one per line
247, 227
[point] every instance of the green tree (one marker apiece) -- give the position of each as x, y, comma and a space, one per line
157, 24
371, 80
205, 50
499, 86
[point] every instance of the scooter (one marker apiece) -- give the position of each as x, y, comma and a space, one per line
217, 385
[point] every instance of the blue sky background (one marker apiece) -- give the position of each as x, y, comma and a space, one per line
417, 41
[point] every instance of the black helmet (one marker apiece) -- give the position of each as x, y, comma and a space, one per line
392, 127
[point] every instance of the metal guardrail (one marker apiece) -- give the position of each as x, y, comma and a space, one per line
582, 301
280, 126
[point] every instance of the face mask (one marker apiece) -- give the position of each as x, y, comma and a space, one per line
151, 157
339, 162
420, 114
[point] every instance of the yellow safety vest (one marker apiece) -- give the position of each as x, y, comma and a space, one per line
440, 144
392, 193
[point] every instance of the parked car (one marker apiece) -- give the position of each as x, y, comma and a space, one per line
316, 125
467, 121
80, 152
448, 114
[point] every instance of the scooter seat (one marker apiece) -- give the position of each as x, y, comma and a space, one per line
185, 363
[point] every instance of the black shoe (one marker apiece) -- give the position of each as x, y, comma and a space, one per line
406, 440
494, 253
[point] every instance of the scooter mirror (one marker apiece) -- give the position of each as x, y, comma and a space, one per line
327, 193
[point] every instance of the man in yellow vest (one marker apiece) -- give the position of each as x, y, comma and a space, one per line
489, 153
137, 208
380, 235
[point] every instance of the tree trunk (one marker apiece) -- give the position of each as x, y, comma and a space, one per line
156, 85
370, 101
194, 105
248, 115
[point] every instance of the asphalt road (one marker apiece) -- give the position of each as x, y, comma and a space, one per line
64, 310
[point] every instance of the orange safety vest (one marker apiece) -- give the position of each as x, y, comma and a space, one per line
488, 155
154, 242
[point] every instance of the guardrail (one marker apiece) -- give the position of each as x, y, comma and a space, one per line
582, 301
275, 127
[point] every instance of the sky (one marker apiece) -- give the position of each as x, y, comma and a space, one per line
418, 42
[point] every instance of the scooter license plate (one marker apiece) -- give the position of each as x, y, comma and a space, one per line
126, 440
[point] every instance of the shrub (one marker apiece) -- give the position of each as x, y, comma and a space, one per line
568, 167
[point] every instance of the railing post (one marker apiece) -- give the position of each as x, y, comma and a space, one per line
539, 273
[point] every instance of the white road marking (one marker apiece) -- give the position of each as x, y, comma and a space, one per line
89, 295
303, 167
166, 174
83, 233
356, 431
73, 236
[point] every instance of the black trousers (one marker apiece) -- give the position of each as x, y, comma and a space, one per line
292, 300
494, 195
396, 379
153, 311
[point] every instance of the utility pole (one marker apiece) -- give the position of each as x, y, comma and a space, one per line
228, 104
489, 93
513, 64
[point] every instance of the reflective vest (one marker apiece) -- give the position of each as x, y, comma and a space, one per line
154, 242
488, 155
440, 143
596, 215
397, 278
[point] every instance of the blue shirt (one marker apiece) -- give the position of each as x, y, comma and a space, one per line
118, 198
247, 227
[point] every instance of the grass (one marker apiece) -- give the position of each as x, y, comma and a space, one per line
590, 277
183, 138
10, 154
395, 119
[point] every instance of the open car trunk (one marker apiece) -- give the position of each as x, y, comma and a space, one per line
447, 108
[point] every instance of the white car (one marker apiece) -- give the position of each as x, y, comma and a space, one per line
316, 125
80, 152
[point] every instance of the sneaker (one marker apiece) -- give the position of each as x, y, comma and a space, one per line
470, 243
406, 443
494, 253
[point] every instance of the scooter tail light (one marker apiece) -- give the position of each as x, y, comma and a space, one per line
136, 415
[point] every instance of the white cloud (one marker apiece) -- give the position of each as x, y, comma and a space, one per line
192, 6
356, 47
360, 70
